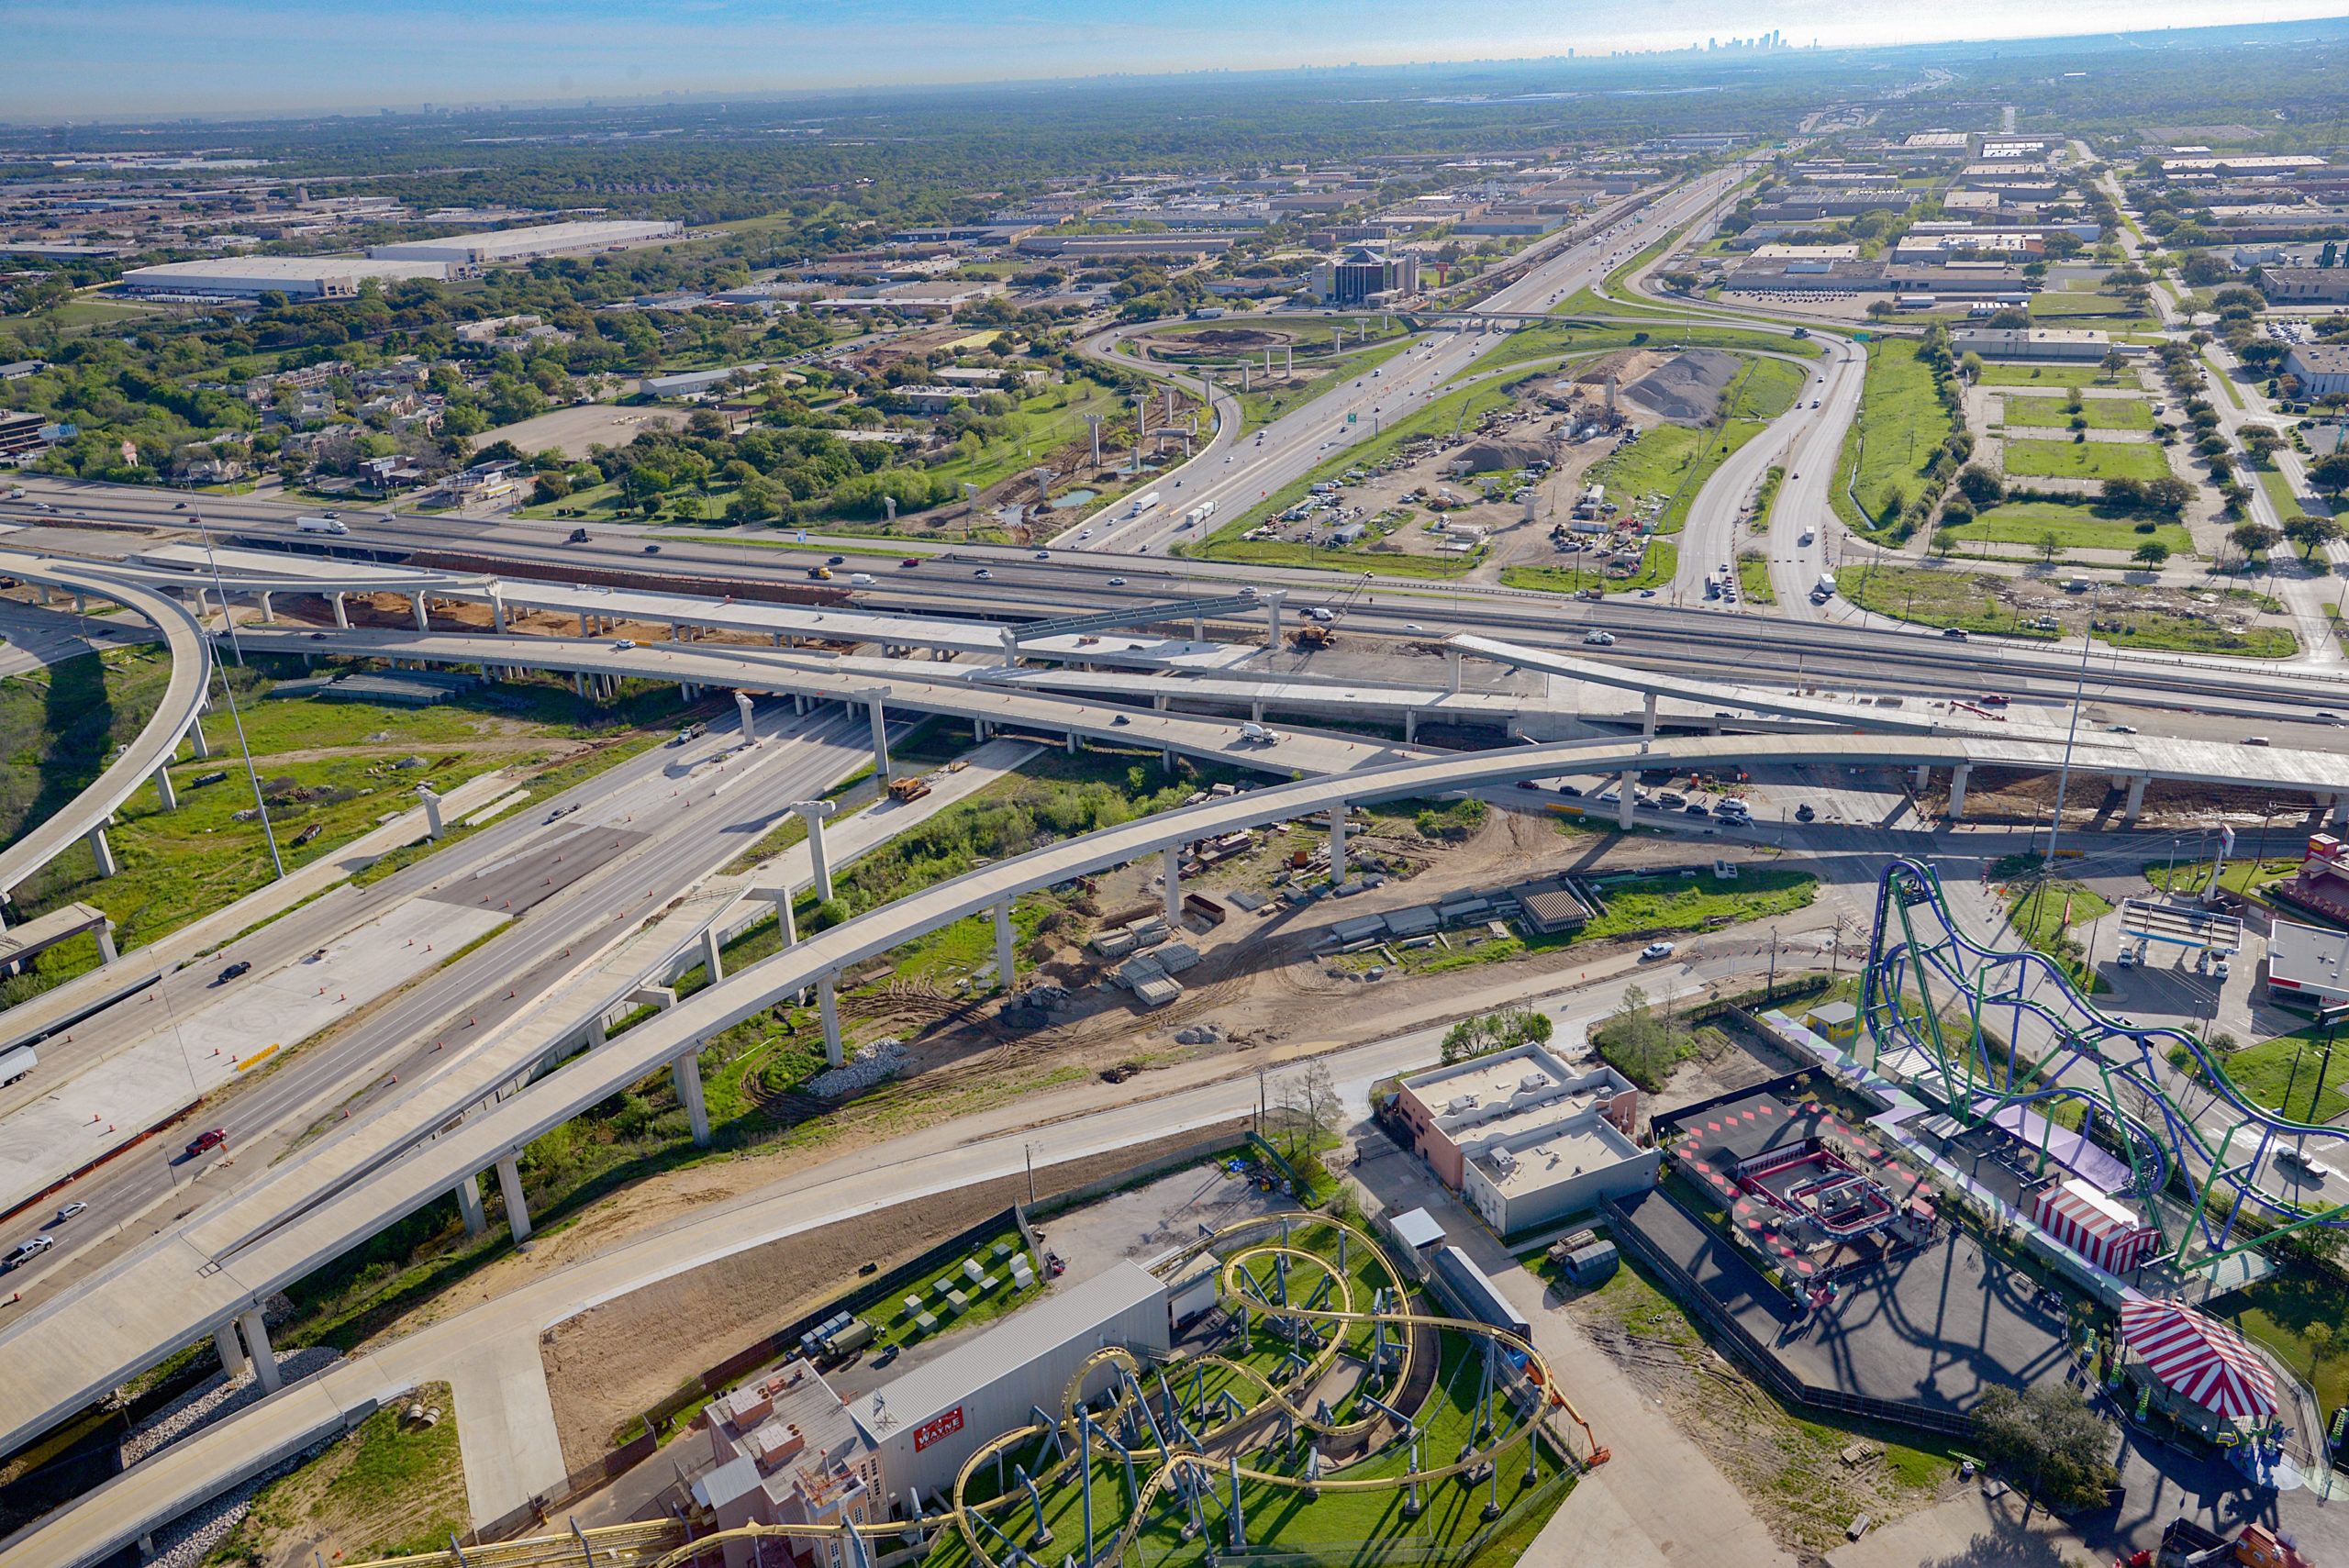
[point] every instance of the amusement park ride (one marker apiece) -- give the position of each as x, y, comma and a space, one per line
2195, 1172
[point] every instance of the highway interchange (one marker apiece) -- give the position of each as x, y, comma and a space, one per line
2209, 698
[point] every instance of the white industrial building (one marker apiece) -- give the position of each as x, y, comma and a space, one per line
297, 277
925, 1425
508, 245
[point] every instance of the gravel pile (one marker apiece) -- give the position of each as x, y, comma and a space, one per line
872, 1066
1200, 1034
215, 1398
187, 1541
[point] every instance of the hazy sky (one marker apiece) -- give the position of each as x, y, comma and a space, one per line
146, 58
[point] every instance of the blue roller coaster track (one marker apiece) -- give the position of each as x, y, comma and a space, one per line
1923, 970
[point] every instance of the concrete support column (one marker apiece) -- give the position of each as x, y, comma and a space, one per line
81, 604
1411, 725
2136, 805
423, 622
713, 953
468, 1205
799, 705
264, 1358
1166, 759
1071, 742
497, 614
1337, 843
785, 921
1647, 718
815, 811
1273, 623
1924, 775
106, 943
778, 640
517, 1213
195, 738
982, 731
433, 828
232, 1349
829, 1007
267, 613
1452, 670
1957, 776
1199, 629
1630, 782
750, 723
1005, 935
2340, 810
163, 790
579, 683
1169, 861
685, 1073
881, 737
107, 865
583, 625
341, 611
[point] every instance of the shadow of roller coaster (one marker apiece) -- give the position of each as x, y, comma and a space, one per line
1915, 946
1167, 1449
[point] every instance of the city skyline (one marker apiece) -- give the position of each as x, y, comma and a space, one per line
133, 60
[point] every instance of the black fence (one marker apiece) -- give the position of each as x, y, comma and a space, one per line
1767, 1369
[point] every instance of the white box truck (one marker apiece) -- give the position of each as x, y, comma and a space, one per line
18, 1064
320, 525
1142, 504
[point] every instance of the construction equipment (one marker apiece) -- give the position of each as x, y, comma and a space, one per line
909, 788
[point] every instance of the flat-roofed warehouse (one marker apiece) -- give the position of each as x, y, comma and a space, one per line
494, 245
927, 1423
297, 277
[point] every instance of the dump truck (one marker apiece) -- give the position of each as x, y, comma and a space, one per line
909, 788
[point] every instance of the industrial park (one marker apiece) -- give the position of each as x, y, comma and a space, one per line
1587, 809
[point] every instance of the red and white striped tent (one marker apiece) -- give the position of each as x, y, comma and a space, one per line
2199, 1359
2104, 1230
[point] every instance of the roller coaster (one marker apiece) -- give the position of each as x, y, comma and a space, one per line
2195, 1172
1163, 1435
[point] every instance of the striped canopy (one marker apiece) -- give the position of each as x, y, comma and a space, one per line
2199, 1359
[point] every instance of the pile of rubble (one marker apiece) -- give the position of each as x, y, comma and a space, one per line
872, 1066
1200, 1034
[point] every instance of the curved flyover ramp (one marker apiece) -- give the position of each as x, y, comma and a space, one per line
152, 747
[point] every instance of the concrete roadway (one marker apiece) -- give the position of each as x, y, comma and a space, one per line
36, 638
1238, 474
149, 750
512, 1451
511, 861
345, 1190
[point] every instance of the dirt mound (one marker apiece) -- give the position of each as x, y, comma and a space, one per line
1626, 365
1502, 452
1224, 338
1686, 389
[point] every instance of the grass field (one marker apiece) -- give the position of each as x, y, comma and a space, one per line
2074, 527
1931, 597
2185, 634
1753, 580
1264, 404
2101, 413
392, 1489
2086, 460
2281, 1075
2046, 916
1662, 563
1579, 337
2055, 376
1900, 426
1636, 906
2241, 876
1765, 500
2048, 303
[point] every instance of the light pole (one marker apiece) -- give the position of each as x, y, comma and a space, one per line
230, 691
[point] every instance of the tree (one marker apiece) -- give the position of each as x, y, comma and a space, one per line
2150, 554
2113, 362
2168, 493
2260, 442
2048, 546
1971, 364
1311, 1094
2309, 532
2049, 1434
2253, 538
1638, 1042
2329, 472
1980, 486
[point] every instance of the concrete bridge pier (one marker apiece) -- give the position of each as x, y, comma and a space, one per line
583, 624
880, 735
828, 1004
468, 1205
423, 621
99, 847
1005, 934
1923, 776
750, 723
268, 611
1411, 725
684, 1074
1623, 808
1256, 709
1072, 742
232, 1349
2340, 804
341, 611
2136, 804
1171, 862
264, 1358
195, 738
1337, 843
713, 953
163, 790
1647, 718
1452, 670
815, 811
1957, 777
509, 1186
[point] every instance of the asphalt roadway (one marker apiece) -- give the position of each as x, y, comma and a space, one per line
592, 892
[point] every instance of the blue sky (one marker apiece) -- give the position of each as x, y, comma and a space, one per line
142, 59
